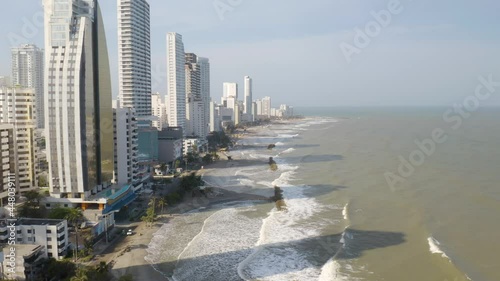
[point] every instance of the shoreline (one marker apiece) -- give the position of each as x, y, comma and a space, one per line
128, 255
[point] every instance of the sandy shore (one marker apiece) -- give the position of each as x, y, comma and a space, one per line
128, 255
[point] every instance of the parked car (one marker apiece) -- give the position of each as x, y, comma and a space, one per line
130, 232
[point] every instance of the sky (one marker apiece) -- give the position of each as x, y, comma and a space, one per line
313, 53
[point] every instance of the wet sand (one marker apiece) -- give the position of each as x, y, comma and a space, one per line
128, 255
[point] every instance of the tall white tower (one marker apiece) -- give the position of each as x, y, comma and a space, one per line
27, 71
78, 110
134, 55
248, 97
176, 81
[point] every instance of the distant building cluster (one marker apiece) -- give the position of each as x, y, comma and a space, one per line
60, 128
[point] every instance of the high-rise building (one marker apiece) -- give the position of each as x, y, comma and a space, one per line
215, 118
195, 106
230, 90
248, 97
27, 71
7, 161
17, 107
204, 64
126, 146
254, 112
266, 106
159, 112
258, 107
134, 55
5, 81
237, 113
176, 81
78, 111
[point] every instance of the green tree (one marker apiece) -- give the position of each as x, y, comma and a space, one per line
57, 270
82, 274
75, 217
177, 164
59, 213
150, 216
42, 181
191, 182
162, 202
31, 207
207, 159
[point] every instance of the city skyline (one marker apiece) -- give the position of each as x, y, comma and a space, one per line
429, 47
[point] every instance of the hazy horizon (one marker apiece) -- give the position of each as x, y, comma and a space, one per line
427, 54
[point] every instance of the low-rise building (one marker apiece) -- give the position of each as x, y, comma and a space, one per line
170, 146
52, 235
22, 262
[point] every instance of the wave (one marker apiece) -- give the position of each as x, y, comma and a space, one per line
268, 262
344, 212
288, 150
435, 249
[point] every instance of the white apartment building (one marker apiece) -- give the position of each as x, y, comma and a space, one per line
50, 234
238, 111
196, 123
134, 55
159, 112
27, 71
5, 81
231, 102
248, 97
254, 112
266, 106
126, 146
176, 80
230, 90
7, 161
258, 107
17, 107
77, 78
215, 118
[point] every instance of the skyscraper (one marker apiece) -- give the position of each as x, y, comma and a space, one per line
248, 97
176, 81
78, 112
17, 107
266, 106
159, 112
134, 55
230, 90
204, 64
195, 113
126, 146
27, 71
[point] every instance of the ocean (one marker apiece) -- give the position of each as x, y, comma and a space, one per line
368, 194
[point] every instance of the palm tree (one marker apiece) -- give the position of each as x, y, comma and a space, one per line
75, 217
162, 203
81, 275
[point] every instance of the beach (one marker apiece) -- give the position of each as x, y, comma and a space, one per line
128, 256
